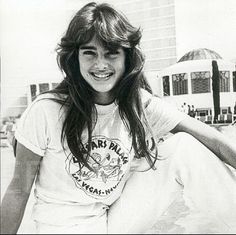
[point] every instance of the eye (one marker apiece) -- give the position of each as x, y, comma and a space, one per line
89, 52
113, 53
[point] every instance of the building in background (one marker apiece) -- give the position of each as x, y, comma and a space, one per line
157, 20
190, 81
40, 27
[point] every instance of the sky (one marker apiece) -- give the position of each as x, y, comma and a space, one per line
31, 29
206, 24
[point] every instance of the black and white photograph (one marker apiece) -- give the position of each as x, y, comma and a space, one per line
118, 117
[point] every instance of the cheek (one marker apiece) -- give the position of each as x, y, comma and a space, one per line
83, 67
122, 66
84, 74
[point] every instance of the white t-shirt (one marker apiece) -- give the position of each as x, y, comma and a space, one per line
66, 192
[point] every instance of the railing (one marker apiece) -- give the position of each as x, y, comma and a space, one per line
222, 118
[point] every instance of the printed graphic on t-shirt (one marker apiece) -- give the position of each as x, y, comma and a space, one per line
109, 160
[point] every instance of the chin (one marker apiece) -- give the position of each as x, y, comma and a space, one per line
103, 90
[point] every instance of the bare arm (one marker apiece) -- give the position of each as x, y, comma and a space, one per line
18, 191
221, 145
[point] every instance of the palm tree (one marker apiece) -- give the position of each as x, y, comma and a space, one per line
216, 89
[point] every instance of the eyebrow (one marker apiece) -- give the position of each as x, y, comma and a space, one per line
88, 48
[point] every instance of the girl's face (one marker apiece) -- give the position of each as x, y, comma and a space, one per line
101, 68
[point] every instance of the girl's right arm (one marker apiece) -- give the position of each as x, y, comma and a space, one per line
17, 194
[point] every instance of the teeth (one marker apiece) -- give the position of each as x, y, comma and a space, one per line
102, 75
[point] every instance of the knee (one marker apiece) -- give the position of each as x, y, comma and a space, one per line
180, 142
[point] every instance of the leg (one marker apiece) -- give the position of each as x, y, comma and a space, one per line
96, 225
146, 196
209, 186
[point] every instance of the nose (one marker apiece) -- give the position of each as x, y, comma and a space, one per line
101, 63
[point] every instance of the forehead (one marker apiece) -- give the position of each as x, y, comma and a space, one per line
96, 43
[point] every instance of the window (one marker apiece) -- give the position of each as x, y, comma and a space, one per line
200, 82
54, 85
166, 85
43, 87
180, 83
36, 89
224, 81
234, 81
33, 91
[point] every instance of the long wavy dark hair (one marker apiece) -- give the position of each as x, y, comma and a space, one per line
112, 29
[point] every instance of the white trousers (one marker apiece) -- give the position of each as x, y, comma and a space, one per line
98, 226
208, 186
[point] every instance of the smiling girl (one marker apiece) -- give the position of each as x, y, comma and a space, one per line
89, 140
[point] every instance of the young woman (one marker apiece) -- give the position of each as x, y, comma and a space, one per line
92, 142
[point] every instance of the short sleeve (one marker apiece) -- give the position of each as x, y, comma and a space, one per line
32, 129
162, 116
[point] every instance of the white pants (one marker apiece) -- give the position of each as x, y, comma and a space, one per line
98, 226
208, 186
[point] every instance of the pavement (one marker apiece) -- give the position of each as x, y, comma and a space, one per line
166, 224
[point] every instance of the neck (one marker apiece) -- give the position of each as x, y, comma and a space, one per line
104, 98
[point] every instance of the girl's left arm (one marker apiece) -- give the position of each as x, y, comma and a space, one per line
218, 143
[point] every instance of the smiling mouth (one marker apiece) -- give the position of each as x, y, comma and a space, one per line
101, 76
